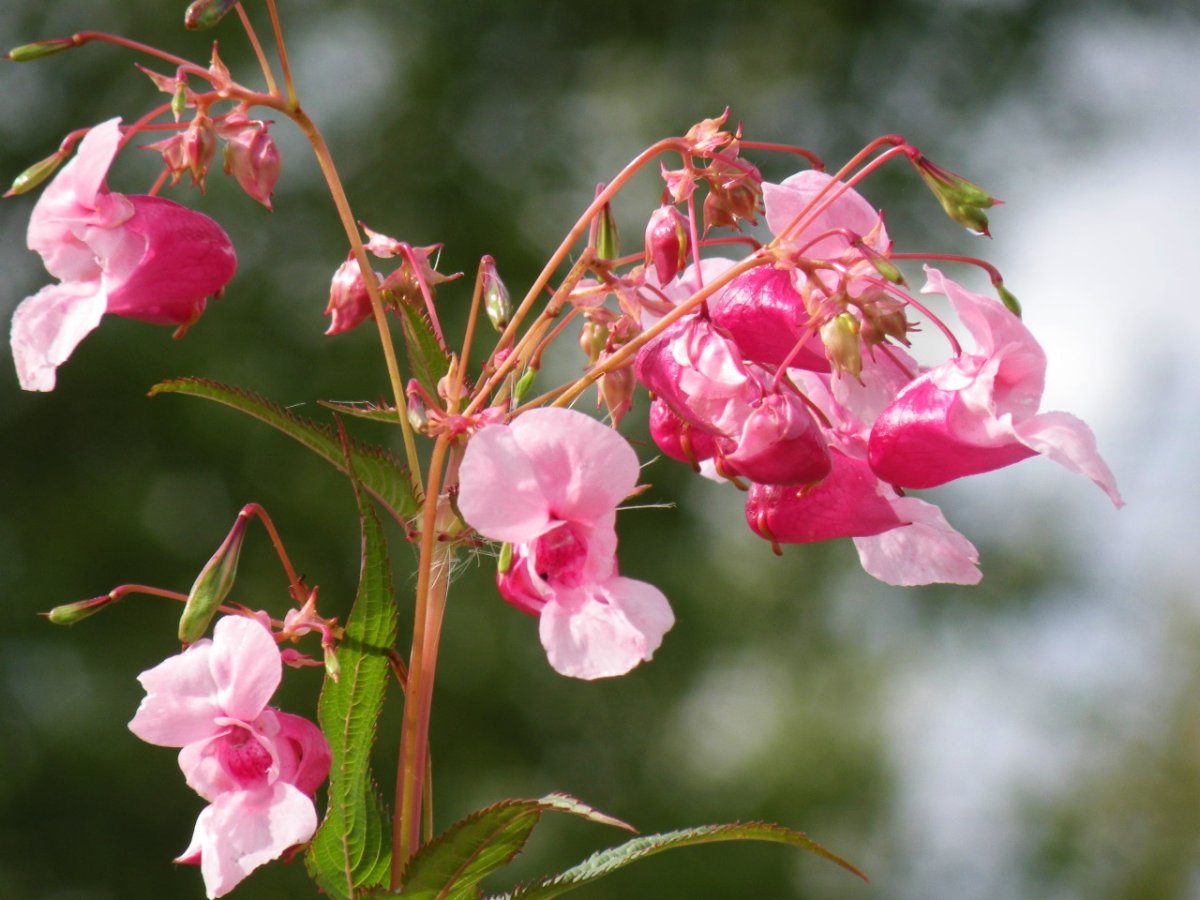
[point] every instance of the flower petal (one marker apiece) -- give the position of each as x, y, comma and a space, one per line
181, 705
927, 550
605, 630
245, 667
499, 495
47, 327
1070, 443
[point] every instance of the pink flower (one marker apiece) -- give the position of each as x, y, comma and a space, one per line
251, 156
549, 484
900, 540
978, 412
823, 235
349, 303
138, 257
257, 767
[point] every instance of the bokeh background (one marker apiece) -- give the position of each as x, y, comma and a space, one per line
1035, 736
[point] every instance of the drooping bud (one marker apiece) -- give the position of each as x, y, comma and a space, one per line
199, 147
415, 406
70, 613
179, 100
884, 317
213, 584
496, 301
668, 242
608, 242
36, 174
593, 338
333, 668
840, 337
963, 200
1006, 297
252, 157
616, 392
524, 383
349, 303
40, 49
204, 14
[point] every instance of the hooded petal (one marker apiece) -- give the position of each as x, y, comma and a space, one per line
47, 327
766, 317
584, 467
245, 667
927, 550
1070, 443
605, 630
184, 258
850, 210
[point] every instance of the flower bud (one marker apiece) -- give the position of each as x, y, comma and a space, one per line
963, 201
616, 392
667, 242
39, 49
593, 338
70, 613
253, 159
1007, 298
333, 668
496, 301
608, 242
213, 584
349, 303
204, 14
840, 337
36, 174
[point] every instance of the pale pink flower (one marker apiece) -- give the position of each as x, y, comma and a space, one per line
133, 256
257, 767
549, 484
843, 213
979, 411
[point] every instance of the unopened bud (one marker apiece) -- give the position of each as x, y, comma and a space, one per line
253, 159
415, 406
496, 301
1006, 297
39, 49
36, 174
203, 14
70, 613
213, 584
616, 392
840, 337
593, 338
523, 384
333, 668
504, 563
963, 200
179, 100
608, 242
667, 242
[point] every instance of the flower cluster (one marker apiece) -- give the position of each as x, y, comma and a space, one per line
793, 377
256, 766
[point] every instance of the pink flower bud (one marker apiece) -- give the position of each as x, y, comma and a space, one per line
679, 439
349, 304
766, 316
496, 301
251, 157
780, 443
667, 243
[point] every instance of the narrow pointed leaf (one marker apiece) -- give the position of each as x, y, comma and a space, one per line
605, 862
363, 410
427, 358
381, 474
451, 866
351, 852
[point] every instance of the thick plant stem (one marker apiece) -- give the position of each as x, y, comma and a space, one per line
433, 578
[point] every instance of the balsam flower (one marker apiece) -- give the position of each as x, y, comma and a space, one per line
258, 767
138, 257
549, 484
978, 412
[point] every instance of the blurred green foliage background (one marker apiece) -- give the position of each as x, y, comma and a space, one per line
1037, 736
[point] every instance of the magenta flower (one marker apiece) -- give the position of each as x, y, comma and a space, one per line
258, 767
978, 412
549, 484
139, 257
900, 540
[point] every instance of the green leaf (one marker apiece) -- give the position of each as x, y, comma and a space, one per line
352, 849
381, 474
427, 358
607, 861
451, 866
363, 410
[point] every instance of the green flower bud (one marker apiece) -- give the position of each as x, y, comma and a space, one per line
1007, 298
36, 174
213, 584
30, 52
203, 14
504, 563
608, 242
496, 301
70, 613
